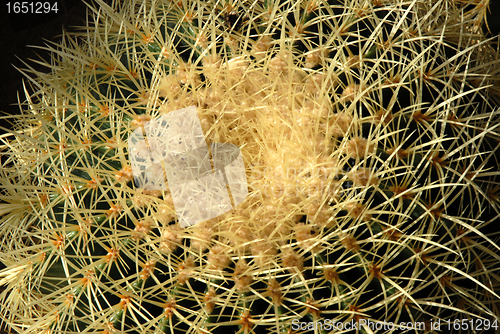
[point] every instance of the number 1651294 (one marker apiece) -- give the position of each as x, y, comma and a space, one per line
28, 7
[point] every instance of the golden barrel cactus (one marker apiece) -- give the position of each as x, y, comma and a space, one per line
369, 131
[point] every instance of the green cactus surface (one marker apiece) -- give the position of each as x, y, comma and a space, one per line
370, 134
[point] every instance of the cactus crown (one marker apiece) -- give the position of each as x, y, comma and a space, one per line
369, 132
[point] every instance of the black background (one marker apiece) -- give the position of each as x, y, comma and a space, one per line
20, 31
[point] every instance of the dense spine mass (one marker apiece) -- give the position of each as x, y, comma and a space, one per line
370, 136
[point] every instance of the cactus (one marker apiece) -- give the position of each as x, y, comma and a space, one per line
369, 133
480, 15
